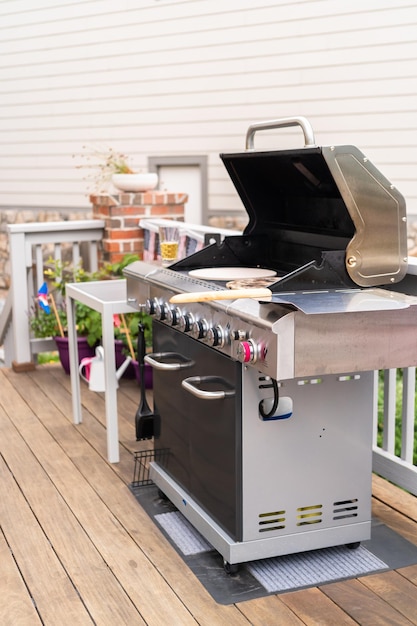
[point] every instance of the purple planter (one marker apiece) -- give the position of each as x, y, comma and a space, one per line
84, 350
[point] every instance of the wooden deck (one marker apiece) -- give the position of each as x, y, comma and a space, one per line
76, 547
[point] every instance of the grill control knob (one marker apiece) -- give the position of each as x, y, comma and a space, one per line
160, 311
216, 336
199, 329
185, 322
247, 351
173, 316
150, 306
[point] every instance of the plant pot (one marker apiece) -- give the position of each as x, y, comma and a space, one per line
84, 350
135, 182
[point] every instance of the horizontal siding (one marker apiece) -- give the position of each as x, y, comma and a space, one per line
171, 77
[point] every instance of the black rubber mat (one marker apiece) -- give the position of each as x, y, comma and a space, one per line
385, 551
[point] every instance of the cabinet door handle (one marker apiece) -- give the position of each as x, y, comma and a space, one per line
172, 361
192, 383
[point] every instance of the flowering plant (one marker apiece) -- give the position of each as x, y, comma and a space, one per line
105, 161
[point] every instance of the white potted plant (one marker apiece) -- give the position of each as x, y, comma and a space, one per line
113, 167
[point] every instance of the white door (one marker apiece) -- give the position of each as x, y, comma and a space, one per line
184, 179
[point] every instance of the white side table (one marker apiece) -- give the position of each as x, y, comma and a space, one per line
108, 297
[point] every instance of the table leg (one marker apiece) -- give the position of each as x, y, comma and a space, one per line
111, 388
73, 358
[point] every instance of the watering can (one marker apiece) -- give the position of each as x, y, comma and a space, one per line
91, 370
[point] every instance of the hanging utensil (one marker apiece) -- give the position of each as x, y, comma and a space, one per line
144, 418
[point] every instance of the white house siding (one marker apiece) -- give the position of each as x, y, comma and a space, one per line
187, 77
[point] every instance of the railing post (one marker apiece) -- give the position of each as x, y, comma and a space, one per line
408, 414
20, 302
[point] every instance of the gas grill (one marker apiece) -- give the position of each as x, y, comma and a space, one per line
264, 402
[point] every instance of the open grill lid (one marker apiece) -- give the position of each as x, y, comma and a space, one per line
316, 214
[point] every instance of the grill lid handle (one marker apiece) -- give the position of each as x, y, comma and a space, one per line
284, 122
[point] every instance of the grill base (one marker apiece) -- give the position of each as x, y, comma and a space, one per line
305, 479
235, 552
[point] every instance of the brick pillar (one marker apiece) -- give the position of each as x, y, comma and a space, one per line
122, 212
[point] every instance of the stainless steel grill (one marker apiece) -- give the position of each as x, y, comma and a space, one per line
265, 404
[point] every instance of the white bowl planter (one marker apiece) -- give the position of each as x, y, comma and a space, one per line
135, 182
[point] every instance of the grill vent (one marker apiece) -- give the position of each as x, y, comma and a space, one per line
275, 520
345, 508
309, 514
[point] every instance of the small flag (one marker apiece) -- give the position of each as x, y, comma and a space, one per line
43, 298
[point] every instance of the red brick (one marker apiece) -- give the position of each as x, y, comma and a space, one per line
125, 233
128, 210
114, 222
111, 246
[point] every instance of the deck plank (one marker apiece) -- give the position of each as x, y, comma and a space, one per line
269, 611
363, 605
396, 590
314, 607
16, 606
70, 523
400, 500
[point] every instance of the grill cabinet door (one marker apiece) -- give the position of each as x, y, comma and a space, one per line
203, 437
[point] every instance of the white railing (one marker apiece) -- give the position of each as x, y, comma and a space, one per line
29, 244
396, 402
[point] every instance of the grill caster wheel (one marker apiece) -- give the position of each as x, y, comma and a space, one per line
230, 568
353, 546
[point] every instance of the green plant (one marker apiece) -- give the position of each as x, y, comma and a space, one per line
132, 322
45, 324
88, 321
116, 269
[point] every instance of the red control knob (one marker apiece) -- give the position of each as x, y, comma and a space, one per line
247, 351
